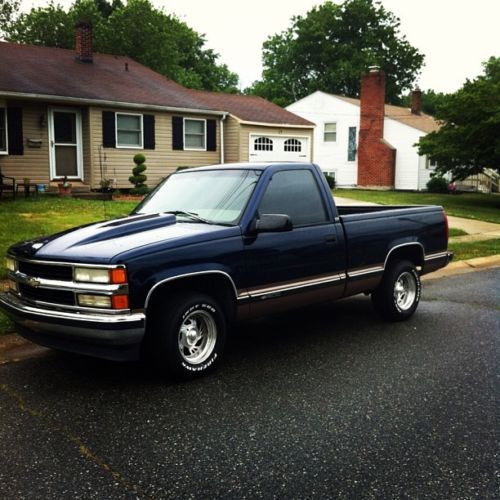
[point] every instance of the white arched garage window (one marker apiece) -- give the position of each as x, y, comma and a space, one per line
293, 145
263, 144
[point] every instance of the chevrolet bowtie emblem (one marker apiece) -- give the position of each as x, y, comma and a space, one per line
33, 282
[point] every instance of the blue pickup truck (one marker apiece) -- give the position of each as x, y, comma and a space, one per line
211, 246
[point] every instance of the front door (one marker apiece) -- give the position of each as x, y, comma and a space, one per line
65, 134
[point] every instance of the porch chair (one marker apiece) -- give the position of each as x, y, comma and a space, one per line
7, 184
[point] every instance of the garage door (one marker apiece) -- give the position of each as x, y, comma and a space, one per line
279, 148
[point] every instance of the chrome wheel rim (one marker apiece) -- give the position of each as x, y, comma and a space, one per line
405, 290
197, 337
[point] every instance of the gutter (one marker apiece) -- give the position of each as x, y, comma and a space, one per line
223, 118
102, 102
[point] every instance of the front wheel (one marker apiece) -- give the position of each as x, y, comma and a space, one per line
188, 335
398, 295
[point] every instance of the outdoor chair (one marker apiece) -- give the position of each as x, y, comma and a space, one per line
7, 184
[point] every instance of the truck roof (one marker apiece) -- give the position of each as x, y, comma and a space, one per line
245, 166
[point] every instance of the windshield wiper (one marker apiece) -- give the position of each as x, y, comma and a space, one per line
191, 215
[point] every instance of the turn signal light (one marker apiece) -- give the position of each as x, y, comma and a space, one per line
118, 276
119, 301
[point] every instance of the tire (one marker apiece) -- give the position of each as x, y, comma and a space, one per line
398, 295
188, 336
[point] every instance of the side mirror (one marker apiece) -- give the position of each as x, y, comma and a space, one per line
273, 223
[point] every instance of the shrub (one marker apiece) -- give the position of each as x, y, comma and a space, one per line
331, 180
138, 178
181, 168
437, 184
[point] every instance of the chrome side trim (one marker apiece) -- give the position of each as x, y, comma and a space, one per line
188, 275
438, 255
21, 307
404, 245
292, 286
367, 270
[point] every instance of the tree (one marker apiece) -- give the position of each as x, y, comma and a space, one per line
138, 30
8, 9
330, 47
469, 139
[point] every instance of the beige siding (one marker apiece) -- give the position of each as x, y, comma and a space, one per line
246, 130
231, 140
34, 163
87, 164
118, 162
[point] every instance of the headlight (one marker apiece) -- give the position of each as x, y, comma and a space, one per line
91, 275
115, 276
94, 301
10, 264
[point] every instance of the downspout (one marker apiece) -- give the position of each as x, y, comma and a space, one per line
222, 138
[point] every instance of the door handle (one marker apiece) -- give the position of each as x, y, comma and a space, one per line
331, 239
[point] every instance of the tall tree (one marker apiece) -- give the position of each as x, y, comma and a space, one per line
330, 47
469, 139
8, 10
135, 29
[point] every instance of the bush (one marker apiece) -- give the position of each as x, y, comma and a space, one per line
437, 184
331, 180
137, 178
181, 168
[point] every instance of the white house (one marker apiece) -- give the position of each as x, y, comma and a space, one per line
365, 142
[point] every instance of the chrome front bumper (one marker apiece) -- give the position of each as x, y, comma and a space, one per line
110, 336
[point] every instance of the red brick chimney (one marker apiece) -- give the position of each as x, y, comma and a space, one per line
416, 101
376, 158
83, 41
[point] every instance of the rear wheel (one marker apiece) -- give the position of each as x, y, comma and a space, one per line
398, 294
188, 335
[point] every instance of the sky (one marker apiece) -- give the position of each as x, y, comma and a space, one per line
455, 36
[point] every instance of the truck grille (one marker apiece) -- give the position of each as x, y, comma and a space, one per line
46, 271
47, 295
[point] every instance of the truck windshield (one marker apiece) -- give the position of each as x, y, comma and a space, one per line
211, 196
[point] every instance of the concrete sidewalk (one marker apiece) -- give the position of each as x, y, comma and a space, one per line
476, 230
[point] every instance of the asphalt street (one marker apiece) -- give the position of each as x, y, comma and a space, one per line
325, 403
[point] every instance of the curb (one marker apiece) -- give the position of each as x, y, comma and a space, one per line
14, 348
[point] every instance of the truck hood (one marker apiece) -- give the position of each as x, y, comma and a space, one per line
102, 241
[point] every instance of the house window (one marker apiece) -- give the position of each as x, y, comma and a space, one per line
351, 144
195, 134
293, 145
128, 130
330, 132
263, 144
3, 131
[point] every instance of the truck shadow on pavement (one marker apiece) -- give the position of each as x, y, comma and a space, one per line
296, 341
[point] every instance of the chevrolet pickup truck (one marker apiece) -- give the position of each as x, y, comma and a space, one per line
211, 246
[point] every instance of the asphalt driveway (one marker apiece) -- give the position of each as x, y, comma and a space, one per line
329, 402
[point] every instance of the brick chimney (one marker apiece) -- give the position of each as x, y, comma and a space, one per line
83, 41
376, 158
416, 101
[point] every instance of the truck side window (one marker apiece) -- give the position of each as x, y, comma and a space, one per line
294, 193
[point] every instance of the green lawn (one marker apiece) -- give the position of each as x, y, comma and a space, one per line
484, 207
472, 249
24, 219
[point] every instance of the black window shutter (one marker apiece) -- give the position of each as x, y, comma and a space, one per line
15, 131
177, 132
108, 129
211, 135
149, 131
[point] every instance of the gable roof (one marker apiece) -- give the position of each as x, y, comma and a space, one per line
52, 72
423, 122
250, 108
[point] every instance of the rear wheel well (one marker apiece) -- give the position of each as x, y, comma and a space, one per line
216, 286
413, 253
